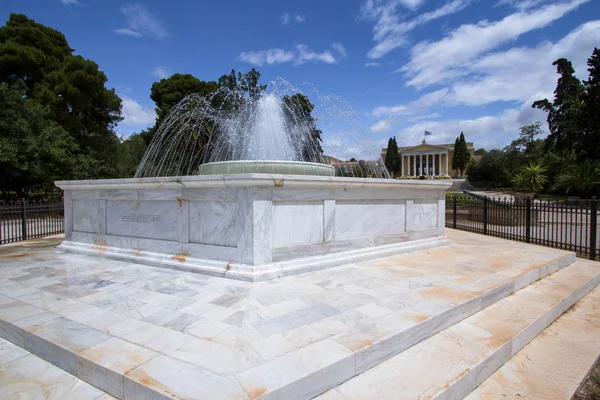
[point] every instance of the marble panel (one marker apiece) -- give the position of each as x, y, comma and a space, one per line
143, 219
297, 223
373, 217
424, 215
85, 216
214, 223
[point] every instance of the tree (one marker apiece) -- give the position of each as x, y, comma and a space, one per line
461, 157
244, 83
530, 178
565, 112
581, 178
591, 106
392, 157
169, 91
299, 110
34, 150
131, 152
479, 152
70, 88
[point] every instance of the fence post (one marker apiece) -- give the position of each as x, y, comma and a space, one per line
454, 212
24, 218
485, 215
528, 220
593, 226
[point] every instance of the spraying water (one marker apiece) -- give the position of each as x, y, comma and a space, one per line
276, 124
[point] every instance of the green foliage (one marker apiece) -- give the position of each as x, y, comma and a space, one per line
302, 108
530, 178
34, 150
591, 107
493, 167
479, 152
581, 178
71, 90
461, 157
131, 152
169, 91
565, 112
392, 157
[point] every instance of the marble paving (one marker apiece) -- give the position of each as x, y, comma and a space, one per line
136, 331
25, 376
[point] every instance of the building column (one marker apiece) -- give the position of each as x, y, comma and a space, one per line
440, 164
414, 163
426, 164
447, 171
402, 167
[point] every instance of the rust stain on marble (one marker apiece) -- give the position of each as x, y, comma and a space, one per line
256, 392
181, 257
137, 252
179, 202
278, 182
138, 204
101, 246
146, 380
416, 317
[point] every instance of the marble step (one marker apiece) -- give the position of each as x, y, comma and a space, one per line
452, 363
131, 371
26, 376
554, 364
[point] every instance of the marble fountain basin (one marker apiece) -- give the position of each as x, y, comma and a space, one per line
252, 226
266, 167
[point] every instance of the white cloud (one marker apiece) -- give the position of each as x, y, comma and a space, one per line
520, 75
140, 22
373, 64
271, 56
286, 18
454, 52
161, 72
305, 54
340, 49
69, 1
390, 30
300, 55
136, 114
421, 104
385, 125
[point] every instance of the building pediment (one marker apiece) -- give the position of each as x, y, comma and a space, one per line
422, 148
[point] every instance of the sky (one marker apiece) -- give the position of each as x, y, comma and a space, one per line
405, 66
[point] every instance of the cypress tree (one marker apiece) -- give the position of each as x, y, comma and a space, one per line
392, 158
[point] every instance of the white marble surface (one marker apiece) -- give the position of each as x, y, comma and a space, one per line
215, 223
424, 215
297, 223
371, 217
143, 218
247, 222
85, 216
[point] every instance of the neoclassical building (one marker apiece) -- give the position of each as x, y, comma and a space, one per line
427, 159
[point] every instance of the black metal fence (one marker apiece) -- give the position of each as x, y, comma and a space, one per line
563, 224
23, 220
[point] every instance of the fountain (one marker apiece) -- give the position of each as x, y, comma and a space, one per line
236, 185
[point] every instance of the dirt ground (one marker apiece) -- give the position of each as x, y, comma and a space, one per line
590, 389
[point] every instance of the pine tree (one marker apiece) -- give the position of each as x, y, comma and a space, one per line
564, 114
591, 107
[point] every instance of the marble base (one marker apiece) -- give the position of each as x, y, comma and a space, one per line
252, 226
248, 272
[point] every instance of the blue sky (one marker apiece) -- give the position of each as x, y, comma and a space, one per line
406, 66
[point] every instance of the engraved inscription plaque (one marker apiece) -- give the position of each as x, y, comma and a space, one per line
150, 219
